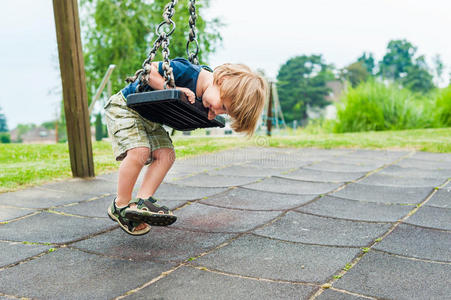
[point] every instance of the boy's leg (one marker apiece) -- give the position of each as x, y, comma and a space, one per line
162, 160
129, 171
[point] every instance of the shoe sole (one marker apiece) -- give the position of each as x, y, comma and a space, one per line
153, 219
115, 219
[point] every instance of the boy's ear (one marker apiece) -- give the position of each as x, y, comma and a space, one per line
220, 81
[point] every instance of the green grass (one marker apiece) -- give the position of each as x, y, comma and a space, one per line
373, 105
23, 165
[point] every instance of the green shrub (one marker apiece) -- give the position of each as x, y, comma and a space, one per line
374, 106
443, 108
5, 138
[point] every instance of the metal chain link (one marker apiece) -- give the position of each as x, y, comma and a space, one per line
164, 31
192, 56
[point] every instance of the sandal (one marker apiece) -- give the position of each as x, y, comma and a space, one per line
129, 226
149, 211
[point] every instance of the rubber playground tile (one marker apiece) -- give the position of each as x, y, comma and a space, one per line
206, 218
257, 200
432, 217
336, 295
322, 176
385, 276
188, 168
440, 157
359, 161
384, 194
15, 252
173, 176
40, 198
298, 227
387, 155
161, 244
330, 206
248, 171
10, 213
191, 283
418, 242
95, 187
279, 163
172, 192
53, 228
93, 208
205, 180
266, 258
387, 180
342, 167
212, 160
425, 164
289, 186
317, 152
442, 198
395, 170
292, 157
72, 274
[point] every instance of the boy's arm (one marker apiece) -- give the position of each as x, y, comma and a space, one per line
156, 81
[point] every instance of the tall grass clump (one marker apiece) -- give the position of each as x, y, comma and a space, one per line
443, 108
375, 106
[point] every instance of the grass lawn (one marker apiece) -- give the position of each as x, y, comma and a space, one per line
23, 165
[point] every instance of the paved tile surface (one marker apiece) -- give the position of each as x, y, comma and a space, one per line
258, 223
14, 252
390, 277
330, 206
289, 186
242, 198
413, 241
298, 227
278, 260
191, 283
322, 176
384, 194
10, 213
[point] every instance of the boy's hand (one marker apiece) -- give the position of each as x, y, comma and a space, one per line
211, 115
189, 94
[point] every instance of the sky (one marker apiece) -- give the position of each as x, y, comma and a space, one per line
260, 33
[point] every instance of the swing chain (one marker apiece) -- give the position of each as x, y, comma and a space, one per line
161, 41
192, 57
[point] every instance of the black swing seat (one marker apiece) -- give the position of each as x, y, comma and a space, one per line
171, 107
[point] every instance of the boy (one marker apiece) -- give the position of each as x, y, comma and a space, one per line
232, 89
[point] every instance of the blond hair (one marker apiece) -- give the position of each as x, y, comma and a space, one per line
247, 92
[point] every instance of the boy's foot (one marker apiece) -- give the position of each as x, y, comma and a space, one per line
149, 211
131, 227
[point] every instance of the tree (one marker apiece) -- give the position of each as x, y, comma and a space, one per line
418, 78
121, 32
367, 61
397, 60
301, 81
355, 73
3, 123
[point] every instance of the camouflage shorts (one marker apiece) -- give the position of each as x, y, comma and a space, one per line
127, 129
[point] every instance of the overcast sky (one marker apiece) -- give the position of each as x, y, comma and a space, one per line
260, 33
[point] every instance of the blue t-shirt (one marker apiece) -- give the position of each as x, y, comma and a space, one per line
185, 75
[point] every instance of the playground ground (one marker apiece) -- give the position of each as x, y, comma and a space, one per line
260, 223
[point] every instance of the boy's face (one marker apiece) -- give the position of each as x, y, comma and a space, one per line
211, 99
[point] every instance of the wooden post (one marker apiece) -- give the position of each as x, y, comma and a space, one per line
74, 87
269, 114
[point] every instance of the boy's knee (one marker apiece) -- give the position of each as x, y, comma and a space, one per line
164, 155
139, 154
